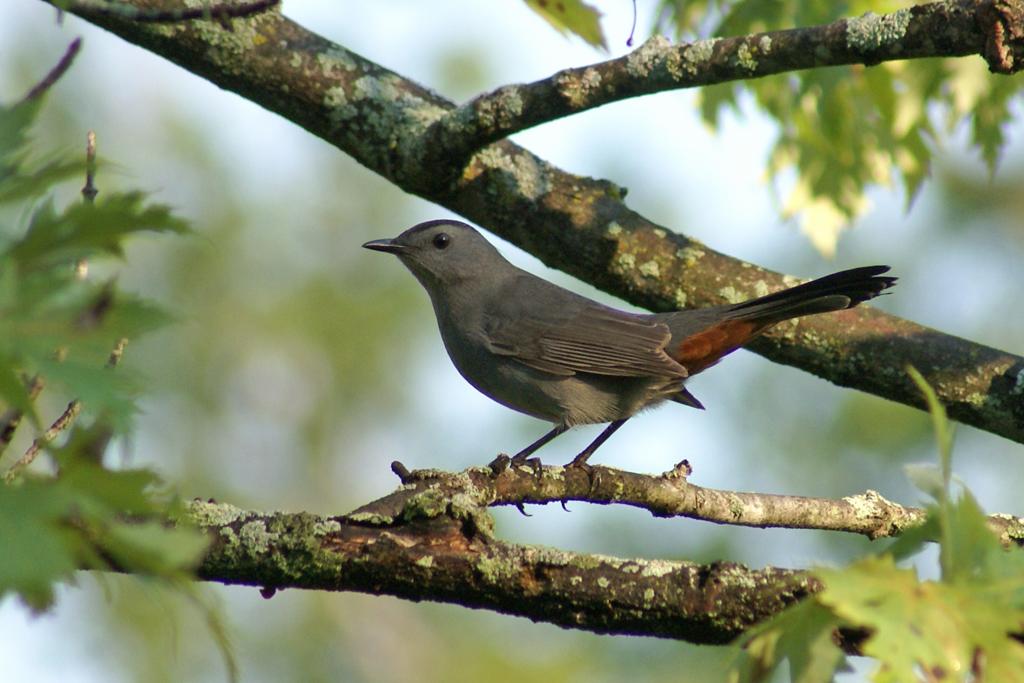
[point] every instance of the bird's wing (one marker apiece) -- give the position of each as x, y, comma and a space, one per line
551, 329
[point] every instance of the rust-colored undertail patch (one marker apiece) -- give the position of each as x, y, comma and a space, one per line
706, 348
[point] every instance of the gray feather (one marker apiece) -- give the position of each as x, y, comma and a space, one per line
553, 330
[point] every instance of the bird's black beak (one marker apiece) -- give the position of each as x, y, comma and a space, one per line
388, 246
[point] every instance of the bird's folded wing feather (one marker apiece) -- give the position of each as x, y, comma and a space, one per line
590, 338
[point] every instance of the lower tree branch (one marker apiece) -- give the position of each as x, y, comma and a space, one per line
666, 495
448, 554
432, 539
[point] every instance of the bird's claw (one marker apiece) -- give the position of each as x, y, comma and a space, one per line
401, 471
682, 470
499, 464
580, 463
533, 463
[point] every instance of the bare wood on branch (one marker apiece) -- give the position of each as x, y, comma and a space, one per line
670, 495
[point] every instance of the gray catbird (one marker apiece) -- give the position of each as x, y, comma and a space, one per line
558, 356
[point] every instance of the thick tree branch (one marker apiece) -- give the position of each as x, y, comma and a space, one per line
577, 224
432, 539
939, 29
439, 551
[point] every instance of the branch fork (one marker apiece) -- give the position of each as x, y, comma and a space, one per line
433, 539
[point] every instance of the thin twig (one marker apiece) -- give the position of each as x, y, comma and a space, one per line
671, 495
89, 190
66, 419
11, 419
632, 29
56, 72
117, 352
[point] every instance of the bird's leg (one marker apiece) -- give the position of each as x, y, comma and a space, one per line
581, 459
522, 456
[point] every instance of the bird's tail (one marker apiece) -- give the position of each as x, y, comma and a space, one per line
702, 343
834, 292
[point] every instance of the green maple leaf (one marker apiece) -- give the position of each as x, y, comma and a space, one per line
572, 16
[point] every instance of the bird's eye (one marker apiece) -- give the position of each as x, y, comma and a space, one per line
442, 240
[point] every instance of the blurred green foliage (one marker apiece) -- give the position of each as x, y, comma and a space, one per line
572, 16
964, 626
60, 328
844, 130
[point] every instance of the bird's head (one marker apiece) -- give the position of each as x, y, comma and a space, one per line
443, 253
